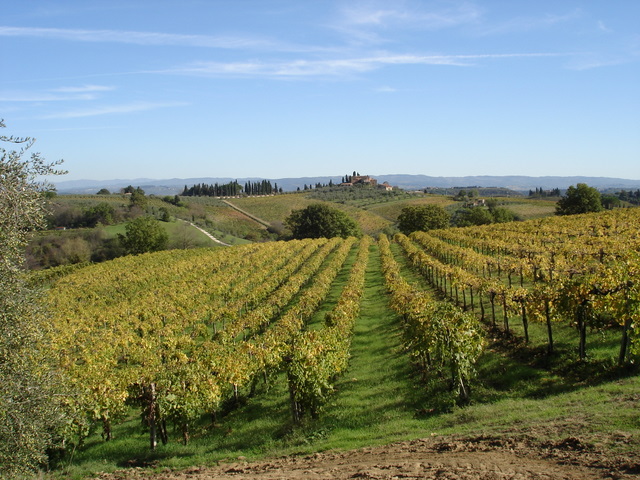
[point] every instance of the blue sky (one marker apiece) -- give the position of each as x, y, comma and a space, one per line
292, 88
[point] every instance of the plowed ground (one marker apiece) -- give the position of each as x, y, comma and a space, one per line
480, 458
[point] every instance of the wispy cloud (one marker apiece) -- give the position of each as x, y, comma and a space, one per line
61, 94
113, 109
602, 27
384, 14
374, 22
137, 38
85, 88
335, 67
592, 61
43, 97
385, 89
527, 24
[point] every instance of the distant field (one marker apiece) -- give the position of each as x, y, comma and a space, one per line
277, 208
530, 209
374, 212
391, 210
274, 208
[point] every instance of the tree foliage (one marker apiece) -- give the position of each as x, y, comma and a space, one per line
466, 217
319, 220
470, 216
423, 218
28, 415
144, 234
610, 201
230, 189
138, 198
502, 215
579, 199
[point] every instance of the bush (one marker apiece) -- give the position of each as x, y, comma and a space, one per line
319, 220
144, 234
422, 218
579, 199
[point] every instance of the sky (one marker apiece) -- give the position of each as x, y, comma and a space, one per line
294, 88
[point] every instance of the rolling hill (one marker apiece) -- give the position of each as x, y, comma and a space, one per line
409, 182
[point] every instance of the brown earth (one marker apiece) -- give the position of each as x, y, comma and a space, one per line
470, 458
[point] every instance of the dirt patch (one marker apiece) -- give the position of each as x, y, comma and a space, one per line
478, 458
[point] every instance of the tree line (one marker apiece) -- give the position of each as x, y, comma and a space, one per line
231, 189
630, 196
542, 193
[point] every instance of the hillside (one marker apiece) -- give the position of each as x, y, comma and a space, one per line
519, 183
236, 341
86, 227
261, 218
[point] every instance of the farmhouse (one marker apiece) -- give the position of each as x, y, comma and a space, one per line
366, 180
360, 180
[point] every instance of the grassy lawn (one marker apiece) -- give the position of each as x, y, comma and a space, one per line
273, 209
178, 231
529, 209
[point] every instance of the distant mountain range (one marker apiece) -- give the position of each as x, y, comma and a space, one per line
518, 183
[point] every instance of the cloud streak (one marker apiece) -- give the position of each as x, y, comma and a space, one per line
336, 67
383, 16
113, 109
22, 97
62, 94
85, 89
136, 38
527, 24
371, 23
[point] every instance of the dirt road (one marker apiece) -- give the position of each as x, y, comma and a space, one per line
481, 458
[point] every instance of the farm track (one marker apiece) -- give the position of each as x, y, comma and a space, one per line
446, 458
264, 223
208, 234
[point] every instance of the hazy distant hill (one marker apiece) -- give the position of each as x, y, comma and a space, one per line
407, 182
513, 182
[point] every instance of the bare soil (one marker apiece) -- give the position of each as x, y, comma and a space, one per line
469, 458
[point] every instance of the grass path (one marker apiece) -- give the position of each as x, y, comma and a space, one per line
377, 398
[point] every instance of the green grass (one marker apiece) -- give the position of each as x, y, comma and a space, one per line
175, 229
377, 398
530, 209
273, 209
113, 231
317, 321
381, 399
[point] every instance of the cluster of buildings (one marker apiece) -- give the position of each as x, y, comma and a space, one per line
366, 180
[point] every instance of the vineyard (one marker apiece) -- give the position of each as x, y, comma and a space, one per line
182, 336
